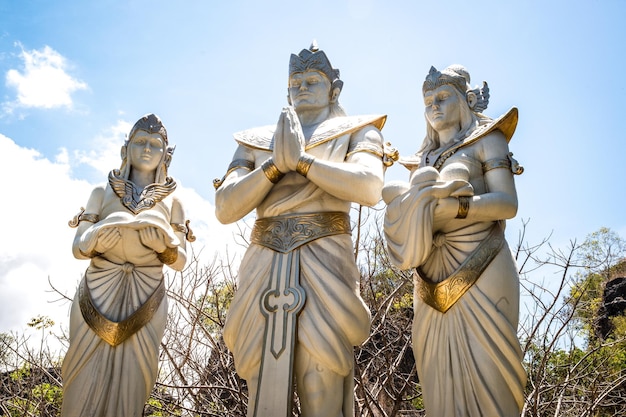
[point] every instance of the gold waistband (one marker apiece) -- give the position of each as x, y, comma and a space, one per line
290, 231
443, 295
114, 332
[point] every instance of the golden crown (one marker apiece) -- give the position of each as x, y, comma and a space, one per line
314, 59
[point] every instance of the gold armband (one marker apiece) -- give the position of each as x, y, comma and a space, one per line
304, 164
168, 256
464, 203
92, 218
509, 163
184, 228
271, 172
496, 163
373, 148
236, 164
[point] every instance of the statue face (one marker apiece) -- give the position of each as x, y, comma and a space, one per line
309, 90
145, 151
443, 108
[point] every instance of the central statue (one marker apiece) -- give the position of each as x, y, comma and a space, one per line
298, 309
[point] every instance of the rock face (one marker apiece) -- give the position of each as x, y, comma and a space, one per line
613, 304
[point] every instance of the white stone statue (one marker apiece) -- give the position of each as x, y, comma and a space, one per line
447, 224
130, 228
297, 309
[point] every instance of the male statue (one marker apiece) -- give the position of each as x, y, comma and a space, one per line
297, 309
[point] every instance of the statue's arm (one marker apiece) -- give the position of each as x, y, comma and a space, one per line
242, 190
359, 178
94, 205
178, 217
500, 201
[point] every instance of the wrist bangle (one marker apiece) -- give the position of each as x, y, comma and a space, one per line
168, 256
91, 254
271, 172
304, 164
464, 203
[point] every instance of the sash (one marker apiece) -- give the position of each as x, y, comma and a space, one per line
443, 295
284, 298
114, 332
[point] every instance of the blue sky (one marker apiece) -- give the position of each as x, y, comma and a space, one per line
75, 75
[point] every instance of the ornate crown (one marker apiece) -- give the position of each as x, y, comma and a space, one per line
458, 77
314, 59
448, 76
149, 123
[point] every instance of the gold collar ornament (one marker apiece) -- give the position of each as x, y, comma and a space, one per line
137, 201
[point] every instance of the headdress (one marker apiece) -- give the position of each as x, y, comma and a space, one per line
150, 123
458, 77
314, 59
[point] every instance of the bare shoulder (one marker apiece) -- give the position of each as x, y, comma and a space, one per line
367, 134
492, 145
97, 195
244, 152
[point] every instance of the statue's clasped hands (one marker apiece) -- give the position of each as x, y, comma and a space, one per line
289, 141
152, 238
106, 239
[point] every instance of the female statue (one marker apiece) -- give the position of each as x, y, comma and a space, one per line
447, 224
130, 228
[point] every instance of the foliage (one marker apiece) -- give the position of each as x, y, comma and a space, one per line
33, 388
570, 371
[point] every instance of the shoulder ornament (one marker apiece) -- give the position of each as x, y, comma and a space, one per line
147, 199
262, 138
505, 124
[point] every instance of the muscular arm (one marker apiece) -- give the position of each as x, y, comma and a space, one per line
242, 190
359, 179
500, 200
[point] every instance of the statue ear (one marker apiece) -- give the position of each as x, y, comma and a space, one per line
289, 99
471, 99
334, 95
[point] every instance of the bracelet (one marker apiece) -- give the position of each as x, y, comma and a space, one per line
464, 203
304, 164
168, 256
271, 172
91, 254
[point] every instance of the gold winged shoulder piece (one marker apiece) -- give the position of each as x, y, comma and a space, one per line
262, 137
147, 199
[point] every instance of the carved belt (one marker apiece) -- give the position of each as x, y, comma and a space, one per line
114, 332
287, 232
443, 295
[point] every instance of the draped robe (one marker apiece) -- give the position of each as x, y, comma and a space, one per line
100, 380
468, 358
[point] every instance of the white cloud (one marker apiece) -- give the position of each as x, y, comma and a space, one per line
36, 239
104, 154
44, 81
